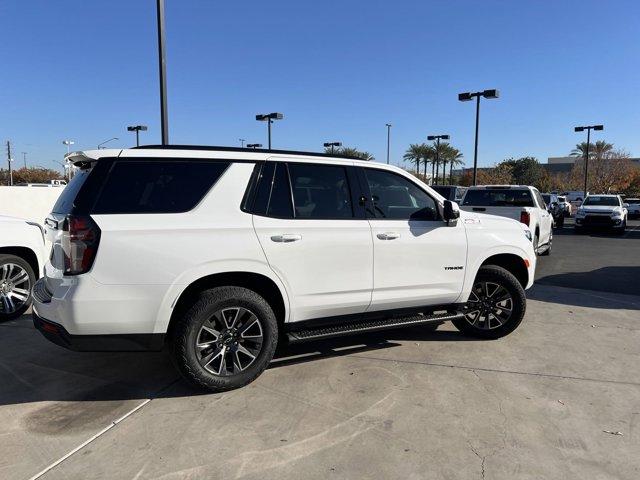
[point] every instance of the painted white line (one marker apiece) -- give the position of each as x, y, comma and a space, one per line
82, 445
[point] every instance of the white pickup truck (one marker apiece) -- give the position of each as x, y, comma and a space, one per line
520, 202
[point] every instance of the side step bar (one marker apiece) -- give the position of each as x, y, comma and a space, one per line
362, 326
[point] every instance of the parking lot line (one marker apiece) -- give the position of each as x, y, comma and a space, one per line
87, 442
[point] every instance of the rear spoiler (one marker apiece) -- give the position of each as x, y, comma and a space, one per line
85, 159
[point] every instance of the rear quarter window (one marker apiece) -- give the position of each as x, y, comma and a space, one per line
156, 186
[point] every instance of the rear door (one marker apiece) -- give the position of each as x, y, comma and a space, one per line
419, 260
316, 238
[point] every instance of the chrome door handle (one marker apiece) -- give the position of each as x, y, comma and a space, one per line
286, 238
388, 236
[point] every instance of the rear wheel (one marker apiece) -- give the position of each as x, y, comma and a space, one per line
225, 340
496, 305
16, 280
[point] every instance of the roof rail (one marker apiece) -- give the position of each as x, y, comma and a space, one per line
239, 149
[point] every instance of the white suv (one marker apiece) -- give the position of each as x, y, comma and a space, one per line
220, 253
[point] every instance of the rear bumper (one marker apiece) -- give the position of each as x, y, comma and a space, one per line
57, 334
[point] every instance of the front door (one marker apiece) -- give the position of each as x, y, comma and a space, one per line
419, 260
316, 238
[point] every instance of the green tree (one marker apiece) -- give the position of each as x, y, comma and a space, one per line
351, 152
454, 157
415, 154
596, 150
526, 171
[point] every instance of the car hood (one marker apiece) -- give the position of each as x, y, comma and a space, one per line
599, 209
471, 218
8, 219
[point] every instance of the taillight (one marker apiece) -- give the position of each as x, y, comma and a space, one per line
80, 240
525, 217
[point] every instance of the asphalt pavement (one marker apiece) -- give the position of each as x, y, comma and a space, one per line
558, 398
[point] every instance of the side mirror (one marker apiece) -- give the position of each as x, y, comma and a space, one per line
625, 205
451, 211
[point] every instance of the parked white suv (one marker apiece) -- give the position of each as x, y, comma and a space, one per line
520, 202
21, 261
606, 211
221, 252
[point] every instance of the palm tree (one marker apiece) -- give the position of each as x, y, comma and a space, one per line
455, 158
440, 158
428, 155
414, 154
351, 152
596, 150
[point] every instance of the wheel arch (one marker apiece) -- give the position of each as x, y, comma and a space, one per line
259, 283
27, 254
512, 263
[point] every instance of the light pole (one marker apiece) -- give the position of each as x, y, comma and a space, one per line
466, 97
68, 143
242, 140
106, 141
331, 145
9, 160
254, 145
586, 155
388, 140
162, 64
24, 159
137, 129
437, 139
269, 118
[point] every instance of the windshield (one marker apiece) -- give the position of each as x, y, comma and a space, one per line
498, 198
632, 201
602, 201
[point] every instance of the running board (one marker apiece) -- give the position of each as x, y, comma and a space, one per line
363, 326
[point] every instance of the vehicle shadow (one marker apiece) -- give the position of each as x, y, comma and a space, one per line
627, 293
34, 370
630, 233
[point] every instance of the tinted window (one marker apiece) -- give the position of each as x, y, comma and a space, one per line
280, 197
447, 192
498, 198
320, 191
160, 186
395, 197
604, 201
66, 199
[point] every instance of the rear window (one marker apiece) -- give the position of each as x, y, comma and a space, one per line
161, 186
498, 198
66, 200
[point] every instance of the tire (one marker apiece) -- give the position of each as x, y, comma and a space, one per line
481, 326
621, 229
16, 281
218, 363
560, 222
578, 230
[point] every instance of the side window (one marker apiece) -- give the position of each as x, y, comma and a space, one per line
157, 186
320, 191
280, 197
395, 197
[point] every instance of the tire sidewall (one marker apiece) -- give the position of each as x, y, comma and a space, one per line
189, 327
504, 278
7, 258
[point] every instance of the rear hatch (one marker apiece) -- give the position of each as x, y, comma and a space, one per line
61, 229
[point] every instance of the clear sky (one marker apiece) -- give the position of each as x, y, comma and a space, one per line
338, 70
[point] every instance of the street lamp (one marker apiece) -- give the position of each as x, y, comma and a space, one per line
331, 145
437, 139
254, 145
586, 155
24, 158
137, 129
106, 141
388, 140
242, 140
162, 70
269, 118
466, 97
68, 143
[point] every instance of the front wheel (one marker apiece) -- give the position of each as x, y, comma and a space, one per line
496, 305
225, 340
